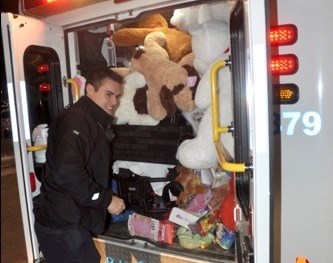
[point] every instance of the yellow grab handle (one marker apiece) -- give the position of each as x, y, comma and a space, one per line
36, 148
75, 87
226, 166
214, 101
217, 129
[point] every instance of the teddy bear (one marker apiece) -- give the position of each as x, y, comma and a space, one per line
170, 86
191, 184
210, 42
180, 97
129, 109
185, 17
178, 43
180, 191
200, 152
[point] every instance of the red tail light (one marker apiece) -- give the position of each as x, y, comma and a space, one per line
42, 68
284, 64
44, 87
283, 35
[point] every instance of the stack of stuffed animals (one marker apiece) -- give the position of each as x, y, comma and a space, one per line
169, 72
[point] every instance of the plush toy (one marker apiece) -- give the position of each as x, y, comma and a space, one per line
185, 17
191, 185
178, 43
193, 117
183, 188
199, 153
192, 17
122, 71
210, 41
183, 99
129, 109
169, 85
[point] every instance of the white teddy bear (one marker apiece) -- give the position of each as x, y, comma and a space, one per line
210, 43
126, 113
200, 152
209, 40
185, 17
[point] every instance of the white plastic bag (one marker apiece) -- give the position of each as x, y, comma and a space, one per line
39, 137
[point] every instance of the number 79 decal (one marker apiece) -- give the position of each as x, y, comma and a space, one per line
309, 122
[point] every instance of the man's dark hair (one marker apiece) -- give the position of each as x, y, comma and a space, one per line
97, 76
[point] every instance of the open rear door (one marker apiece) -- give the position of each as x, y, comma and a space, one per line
253, 145
35, 63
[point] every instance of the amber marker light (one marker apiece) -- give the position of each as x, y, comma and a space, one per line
285, 93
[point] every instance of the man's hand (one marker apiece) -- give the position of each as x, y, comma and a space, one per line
117, 205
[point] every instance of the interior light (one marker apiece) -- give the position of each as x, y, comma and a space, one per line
285, 93
283, 35
284, 64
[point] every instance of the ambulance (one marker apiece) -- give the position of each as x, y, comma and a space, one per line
282, 83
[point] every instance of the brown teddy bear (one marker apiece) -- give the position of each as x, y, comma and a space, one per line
183, 188
178, 43
182, 98
169, 85
191, 184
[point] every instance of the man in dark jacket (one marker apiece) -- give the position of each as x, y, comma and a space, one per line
74, 198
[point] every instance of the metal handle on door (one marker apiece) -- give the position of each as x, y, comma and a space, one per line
36, 148
217, 129
75, 89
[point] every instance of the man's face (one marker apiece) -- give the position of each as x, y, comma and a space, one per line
106, 96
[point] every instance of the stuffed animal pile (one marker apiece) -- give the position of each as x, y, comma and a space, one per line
169, 72
167, 81
178, 43
175, 63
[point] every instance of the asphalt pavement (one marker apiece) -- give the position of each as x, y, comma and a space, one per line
13, 248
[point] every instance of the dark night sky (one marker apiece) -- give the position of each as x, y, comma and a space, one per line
9, 6
6, 6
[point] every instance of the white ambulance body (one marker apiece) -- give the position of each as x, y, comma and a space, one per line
287, 148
